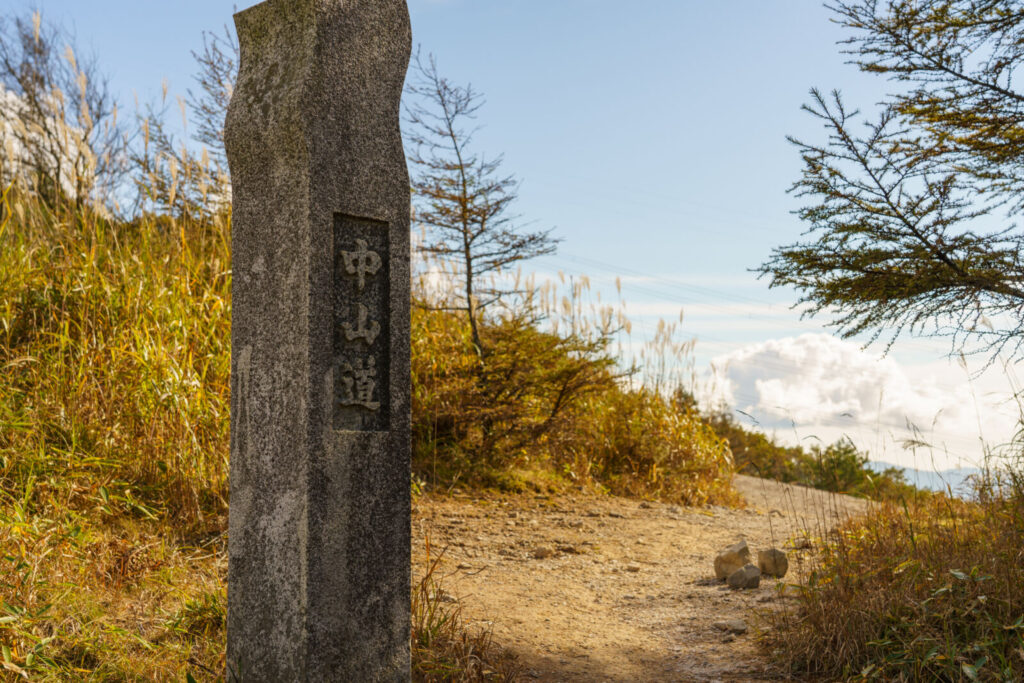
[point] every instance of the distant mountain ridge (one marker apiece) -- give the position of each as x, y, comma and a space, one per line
955, 479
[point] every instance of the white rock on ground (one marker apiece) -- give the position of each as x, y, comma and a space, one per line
736, 626
730, 559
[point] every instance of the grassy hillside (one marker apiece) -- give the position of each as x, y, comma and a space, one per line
115, 349
113, 443
114, 381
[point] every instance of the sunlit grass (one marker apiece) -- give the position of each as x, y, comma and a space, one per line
444, 647
114, 342
92, 595
928, 590
115, 351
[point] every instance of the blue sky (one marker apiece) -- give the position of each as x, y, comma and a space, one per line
651, 137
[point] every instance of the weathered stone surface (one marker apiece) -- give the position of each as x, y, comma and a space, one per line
730, 559
772, 562
747, 576
319, 536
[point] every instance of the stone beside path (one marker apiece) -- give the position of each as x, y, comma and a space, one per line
626, 590
732, 559
318, 543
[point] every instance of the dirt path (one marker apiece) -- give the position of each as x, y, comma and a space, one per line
608, 589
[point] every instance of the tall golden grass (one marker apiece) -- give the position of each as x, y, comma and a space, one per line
926, 590
114, 342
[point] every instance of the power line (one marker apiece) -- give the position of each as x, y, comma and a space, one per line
668, 297
613, 269
771, 364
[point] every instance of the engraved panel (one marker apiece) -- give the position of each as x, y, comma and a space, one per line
362, 314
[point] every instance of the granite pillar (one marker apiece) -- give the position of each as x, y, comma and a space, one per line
318, 578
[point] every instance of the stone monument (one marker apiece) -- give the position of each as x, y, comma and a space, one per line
318, 578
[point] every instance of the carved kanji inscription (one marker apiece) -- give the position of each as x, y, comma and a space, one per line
361, 323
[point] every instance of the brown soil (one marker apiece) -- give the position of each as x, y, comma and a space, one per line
598, 588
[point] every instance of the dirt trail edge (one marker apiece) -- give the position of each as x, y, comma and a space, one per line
587, 588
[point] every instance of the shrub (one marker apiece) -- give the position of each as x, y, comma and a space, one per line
554, 402
839, 467
473, 415
635, 442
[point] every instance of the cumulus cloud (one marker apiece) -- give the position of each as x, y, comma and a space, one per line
818, 384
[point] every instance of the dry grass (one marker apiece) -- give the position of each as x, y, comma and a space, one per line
97, 596
444, 647
638, 443
114, 347
928, 591
550, 398
113, 443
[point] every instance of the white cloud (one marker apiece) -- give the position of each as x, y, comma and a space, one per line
816, 384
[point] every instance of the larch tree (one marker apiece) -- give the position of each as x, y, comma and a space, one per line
460, 196
912, 214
